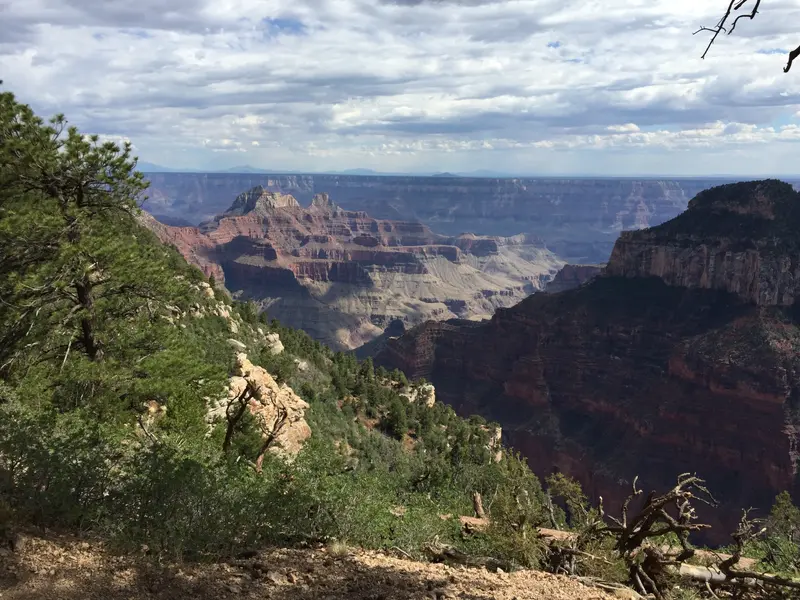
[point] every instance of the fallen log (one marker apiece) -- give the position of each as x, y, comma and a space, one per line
438, 552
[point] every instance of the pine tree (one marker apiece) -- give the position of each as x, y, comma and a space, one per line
395, 422
86, 294
61, 191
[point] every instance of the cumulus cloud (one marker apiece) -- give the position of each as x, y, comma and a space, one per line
538, 86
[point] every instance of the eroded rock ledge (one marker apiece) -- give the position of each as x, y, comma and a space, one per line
741, 238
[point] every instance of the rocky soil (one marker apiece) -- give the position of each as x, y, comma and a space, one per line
66, 568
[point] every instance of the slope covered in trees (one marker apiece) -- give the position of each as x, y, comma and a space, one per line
113, 351
113, 348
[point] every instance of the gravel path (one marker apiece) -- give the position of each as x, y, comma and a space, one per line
63, 568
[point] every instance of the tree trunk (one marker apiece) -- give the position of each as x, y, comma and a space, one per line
91, 345
477, 504
243, 400
279, 423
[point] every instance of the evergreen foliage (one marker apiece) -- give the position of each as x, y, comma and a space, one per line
111, 346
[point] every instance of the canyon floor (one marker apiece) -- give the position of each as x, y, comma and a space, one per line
66, 568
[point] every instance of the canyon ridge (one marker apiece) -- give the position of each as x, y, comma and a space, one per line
578, 219
344, 277
682, 356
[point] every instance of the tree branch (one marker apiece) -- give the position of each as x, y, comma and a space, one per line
720, 27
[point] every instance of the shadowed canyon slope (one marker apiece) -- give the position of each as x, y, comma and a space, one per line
343, 276
572, 276
682, 356
578, 219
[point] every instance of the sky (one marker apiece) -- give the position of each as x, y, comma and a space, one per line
537, 87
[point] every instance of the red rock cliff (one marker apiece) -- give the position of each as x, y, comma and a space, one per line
684, 356
344, 276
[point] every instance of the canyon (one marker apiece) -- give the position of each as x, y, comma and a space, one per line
578, 219
344, 277
683, 355
572, 276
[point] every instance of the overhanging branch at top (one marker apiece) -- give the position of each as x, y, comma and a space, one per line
721, 26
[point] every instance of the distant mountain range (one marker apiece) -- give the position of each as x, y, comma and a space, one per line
148, 167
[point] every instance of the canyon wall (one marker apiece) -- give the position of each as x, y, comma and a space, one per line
683, 356
572, 276
579, 219
343, 276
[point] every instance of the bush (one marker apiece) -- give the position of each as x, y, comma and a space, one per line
779, 548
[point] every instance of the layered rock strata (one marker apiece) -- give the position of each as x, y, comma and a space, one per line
577, 218
683, 357
343, 276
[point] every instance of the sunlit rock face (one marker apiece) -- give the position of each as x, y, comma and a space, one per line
344, 276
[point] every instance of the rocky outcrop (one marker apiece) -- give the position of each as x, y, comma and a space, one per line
425, 393
682, 357
278, 411
344, 276
740, 238
578, 219
273, 343
572, 276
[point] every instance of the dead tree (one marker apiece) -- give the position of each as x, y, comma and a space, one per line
234, 411
722, 25
669, 513
271, 433
477, 505
748, 530
568, 552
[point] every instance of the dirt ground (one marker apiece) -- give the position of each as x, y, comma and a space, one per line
65, 568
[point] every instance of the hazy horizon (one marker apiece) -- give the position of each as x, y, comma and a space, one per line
152, 168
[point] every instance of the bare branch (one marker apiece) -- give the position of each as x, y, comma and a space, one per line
792, 55
750, 16
735, 5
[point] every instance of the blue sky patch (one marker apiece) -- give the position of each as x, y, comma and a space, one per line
555, 44
772, 51
284, 26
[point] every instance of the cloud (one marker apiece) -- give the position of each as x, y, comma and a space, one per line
547, 85
626, 128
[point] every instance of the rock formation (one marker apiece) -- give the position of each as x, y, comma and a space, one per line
572, 276
279, 412
425, 393
740, 238
578, 219
187, 241
683, 356
343, 276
